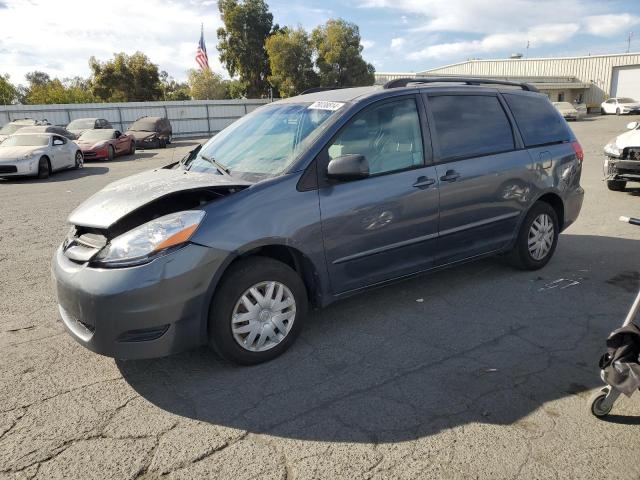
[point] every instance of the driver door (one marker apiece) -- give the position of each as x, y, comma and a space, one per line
386, 225
122, 143
61, 153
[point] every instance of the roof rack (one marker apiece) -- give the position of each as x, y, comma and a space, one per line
320, 89
403, 82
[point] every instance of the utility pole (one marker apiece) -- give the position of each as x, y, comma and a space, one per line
629, 41
526, 55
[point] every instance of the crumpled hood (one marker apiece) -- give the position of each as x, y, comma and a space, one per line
628, 139
122, 197
139, 135
17, 152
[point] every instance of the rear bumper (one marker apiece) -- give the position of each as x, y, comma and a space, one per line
572, 206
146, 311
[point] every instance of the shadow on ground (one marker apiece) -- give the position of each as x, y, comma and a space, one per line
478, 343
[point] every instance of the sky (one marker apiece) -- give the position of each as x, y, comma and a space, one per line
59, 36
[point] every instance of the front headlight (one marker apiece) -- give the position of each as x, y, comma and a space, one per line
27, 156
144, 242
612, 149
151, 138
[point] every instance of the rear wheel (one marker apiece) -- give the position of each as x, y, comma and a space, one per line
616, 185
110, 153
537, 239
44, 168
257, 312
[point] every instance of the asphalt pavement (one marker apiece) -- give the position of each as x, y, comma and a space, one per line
481, 371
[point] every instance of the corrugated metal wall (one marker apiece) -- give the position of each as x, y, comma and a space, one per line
596, 70
188, 119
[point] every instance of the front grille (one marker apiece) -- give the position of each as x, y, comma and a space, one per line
84, 247
8, 169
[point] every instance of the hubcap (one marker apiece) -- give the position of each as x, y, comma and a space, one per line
541, 235
263, 316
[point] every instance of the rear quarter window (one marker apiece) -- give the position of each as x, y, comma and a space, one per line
538, 120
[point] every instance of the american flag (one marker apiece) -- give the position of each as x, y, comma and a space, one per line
201, 54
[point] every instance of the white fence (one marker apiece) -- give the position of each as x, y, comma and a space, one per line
191, 118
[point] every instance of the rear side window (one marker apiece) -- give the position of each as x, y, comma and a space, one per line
470, 126
539, 122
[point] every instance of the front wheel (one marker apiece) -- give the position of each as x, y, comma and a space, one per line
132, 147
618, 111
597, 403
537, 238
257, 312
79, 160
616, 185
44, 168
110, 153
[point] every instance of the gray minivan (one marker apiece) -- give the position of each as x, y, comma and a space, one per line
311, 199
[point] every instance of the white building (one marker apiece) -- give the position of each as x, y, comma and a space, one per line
590, 79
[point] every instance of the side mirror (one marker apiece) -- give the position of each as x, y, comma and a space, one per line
632, 125
118, 134
348, 167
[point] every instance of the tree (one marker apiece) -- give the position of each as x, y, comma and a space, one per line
126, 78
8, 92
290, 56
241, 42
206, 85
42, 89
172, 90
339, 58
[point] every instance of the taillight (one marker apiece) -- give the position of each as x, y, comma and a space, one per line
578, 149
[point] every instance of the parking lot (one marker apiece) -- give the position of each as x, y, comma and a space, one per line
480, 371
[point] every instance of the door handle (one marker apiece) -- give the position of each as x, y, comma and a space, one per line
424, 182
450, 176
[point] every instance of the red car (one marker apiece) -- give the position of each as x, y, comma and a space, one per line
105, 144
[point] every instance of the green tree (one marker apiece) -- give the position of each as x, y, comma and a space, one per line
339, 55
206, 85
126, 78
172, 90
241, 42
42, 89
8, 92
290, 56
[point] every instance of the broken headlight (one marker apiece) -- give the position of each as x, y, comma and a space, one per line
142, 243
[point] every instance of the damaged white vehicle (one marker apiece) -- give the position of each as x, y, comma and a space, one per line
622, 158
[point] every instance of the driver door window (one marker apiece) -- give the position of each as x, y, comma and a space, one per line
387, 134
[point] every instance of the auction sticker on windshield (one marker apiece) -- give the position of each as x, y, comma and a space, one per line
324, 105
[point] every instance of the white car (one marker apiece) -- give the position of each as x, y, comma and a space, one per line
622, 158
568, 111
619, 106
37, 154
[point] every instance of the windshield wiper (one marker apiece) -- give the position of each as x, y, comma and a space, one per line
215, 163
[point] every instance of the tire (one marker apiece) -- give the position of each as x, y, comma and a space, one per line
162, 143
256, 273
618, 112
524, 255
602, 111
616, 185
79, 160
111, 153
169, 138
132, 147
595, 403
44, 168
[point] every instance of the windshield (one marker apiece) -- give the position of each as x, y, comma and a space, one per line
263, 143
143, 126
26, 141
626, 100
10, 128
81, 123
97, 135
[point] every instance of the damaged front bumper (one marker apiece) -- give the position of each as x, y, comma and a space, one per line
146, 311
625, 168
